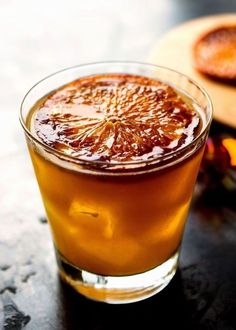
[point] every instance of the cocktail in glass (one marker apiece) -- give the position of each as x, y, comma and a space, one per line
117, 224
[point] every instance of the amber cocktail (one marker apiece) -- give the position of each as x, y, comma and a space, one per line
116, 149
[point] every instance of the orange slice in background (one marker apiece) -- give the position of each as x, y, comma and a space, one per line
215, 53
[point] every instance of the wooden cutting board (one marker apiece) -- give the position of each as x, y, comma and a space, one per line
174, 50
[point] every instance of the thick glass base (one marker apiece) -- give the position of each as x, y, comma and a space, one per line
118, 289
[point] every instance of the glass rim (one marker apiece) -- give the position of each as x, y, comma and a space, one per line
113, 164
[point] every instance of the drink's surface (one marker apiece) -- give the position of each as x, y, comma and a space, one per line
115, 118
107, 224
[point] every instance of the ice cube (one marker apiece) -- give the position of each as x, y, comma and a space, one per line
92, 218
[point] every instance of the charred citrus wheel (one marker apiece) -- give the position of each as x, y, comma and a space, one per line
115, 117
215, 53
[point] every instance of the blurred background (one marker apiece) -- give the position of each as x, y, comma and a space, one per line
41, 37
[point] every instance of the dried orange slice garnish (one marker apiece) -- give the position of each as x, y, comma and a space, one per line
115, 118
215, 53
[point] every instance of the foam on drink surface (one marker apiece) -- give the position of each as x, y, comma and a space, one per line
115, 118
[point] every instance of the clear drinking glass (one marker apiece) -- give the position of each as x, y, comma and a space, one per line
117, 230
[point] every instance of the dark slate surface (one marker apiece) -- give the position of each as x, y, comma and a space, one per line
37, 39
